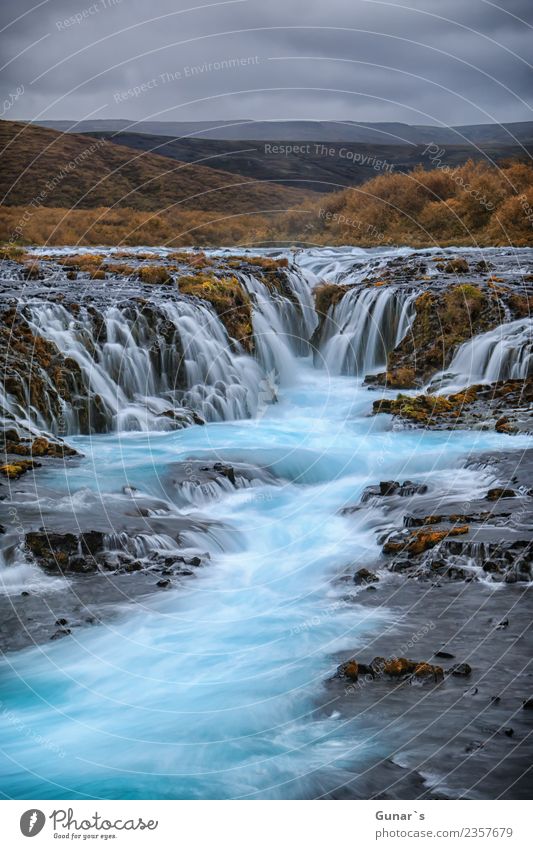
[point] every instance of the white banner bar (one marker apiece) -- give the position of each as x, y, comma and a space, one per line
268, 824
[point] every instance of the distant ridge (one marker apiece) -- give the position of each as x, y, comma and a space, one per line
318, 166
384, 133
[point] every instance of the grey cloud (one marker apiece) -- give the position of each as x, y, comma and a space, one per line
116, 47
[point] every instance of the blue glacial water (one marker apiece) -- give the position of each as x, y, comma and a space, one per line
211, 690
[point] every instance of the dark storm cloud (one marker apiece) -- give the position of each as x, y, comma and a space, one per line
420, 61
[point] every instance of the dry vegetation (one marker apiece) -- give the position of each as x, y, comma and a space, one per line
146, 200
475, 204
126, 227
51, 169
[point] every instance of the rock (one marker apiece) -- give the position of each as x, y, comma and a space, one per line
503, 425
503, 624
460, 670
421, 540
61, 632
498, 492
18, 468
527, 704
425, 671
388, 487
456, 266
164, 582
398, 666
24, 593
60, 552
509, 732
409, 488
91, 542
394, 667
194, 561
350, 670
226, 471
62, 621
81, 566
364, 576
445, 655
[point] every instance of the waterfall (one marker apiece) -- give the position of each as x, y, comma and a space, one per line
364, 327
138, 365
282, 325
143, 368
500, 354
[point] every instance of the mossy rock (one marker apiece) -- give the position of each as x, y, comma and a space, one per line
229, 300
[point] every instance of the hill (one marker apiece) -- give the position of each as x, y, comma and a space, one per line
475, 204
472, 205
317, 166
45, 168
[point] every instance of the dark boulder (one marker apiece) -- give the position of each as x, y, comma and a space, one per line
365, 576
460, 670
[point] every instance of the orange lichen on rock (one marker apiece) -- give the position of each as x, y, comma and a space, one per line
422, 539
15, 470
428, 670
397, 666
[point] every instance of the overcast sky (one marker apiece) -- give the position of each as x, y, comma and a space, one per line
418, 61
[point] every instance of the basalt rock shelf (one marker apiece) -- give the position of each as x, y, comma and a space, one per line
218, 512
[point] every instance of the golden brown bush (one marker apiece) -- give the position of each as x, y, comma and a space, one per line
473, 205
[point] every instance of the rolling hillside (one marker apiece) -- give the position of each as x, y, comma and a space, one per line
316, 166
42, 167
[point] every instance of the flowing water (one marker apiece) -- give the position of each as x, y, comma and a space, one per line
212, 689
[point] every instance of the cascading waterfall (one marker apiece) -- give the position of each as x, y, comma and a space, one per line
209, 689
364, 327
145, 367
282, 325
500, 354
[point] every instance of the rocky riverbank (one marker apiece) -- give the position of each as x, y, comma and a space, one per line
449, 677
445, 688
